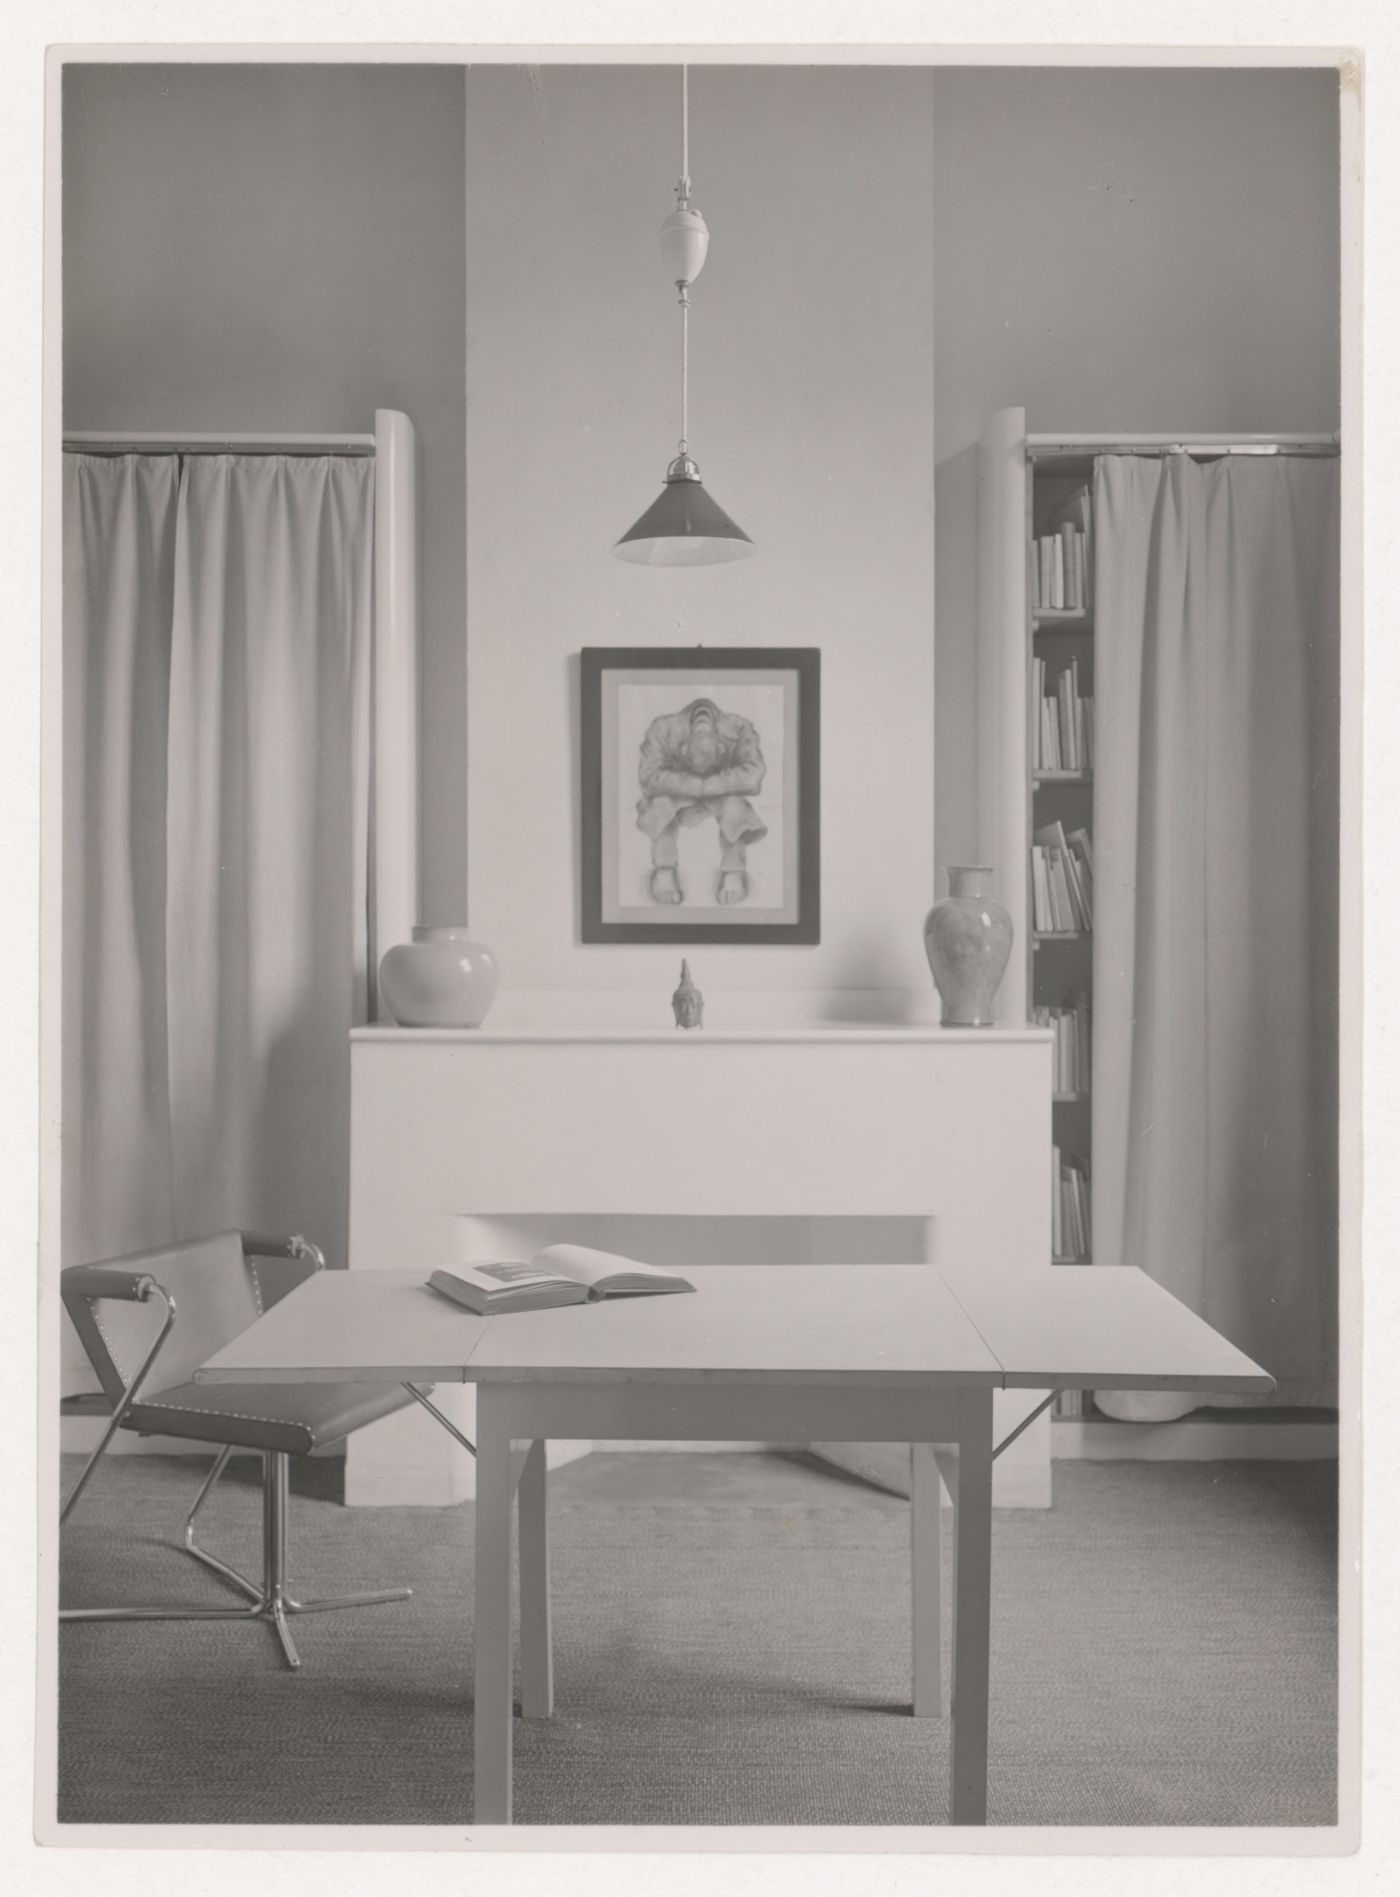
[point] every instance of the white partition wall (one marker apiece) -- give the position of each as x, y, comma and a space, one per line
461, 1137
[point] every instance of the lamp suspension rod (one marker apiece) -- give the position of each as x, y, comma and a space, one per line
684, 297
685, 367
1048, 446
148, 441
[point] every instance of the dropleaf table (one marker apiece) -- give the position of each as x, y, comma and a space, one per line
761, 1353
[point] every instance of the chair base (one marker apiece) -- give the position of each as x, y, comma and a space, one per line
271, 1602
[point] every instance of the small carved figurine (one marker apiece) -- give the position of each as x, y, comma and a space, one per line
687, 1003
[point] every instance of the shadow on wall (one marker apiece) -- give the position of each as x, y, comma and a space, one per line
679, 1240
870, 967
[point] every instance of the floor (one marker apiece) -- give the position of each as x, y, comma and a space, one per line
731, 1638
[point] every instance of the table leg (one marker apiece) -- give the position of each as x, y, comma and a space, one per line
925, 1493
536, 1655
972, 1554
493, 1708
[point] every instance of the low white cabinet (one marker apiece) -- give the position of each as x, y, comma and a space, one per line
874, 1144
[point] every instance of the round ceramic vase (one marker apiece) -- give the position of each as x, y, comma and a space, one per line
967, 937
441, 979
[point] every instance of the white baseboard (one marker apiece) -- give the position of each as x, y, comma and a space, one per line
79, 1435
704, 1449
1240, 1437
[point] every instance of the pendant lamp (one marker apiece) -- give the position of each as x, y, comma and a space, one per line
684, 526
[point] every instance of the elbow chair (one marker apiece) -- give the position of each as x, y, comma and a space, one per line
125, 1311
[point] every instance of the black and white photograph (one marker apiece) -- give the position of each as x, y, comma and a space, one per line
714, 669
691, 762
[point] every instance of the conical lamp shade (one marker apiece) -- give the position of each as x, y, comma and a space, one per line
683, 527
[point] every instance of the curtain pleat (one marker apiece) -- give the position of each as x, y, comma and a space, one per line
217, 625
1215, 973
118, 585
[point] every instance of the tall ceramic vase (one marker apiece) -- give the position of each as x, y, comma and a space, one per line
967, 938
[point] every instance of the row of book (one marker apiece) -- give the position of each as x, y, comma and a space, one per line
1072, 1063
1063, 737
1070, 1236
1063, 565
1062, 880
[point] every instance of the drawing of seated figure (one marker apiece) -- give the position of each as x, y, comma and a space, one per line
697, 763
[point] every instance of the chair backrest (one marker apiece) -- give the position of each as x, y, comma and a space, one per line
217, 1293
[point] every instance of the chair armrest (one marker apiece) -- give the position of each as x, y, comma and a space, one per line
258, 1245
108, 1281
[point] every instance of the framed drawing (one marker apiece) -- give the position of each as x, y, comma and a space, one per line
701, 794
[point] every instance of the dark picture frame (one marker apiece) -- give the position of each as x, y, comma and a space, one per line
660, 860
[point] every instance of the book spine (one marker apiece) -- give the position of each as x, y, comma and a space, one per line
1040, 888
1076, 890
1085, 1045
1038, 719
1057, 573
1067, 564
1059, 886
1084, 870
1065, 699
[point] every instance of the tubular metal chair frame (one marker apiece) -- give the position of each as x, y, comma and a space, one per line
272, 1600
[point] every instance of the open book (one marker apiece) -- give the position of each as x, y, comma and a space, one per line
560, 1274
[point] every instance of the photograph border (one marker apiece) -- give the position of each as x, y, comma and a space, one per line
1221, 1855
594, 662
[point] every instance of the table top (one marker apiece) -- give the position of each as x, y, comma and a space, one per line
1097, 1327
1061, 1327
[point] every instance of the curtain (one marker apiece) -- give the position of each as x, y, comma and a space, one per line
216, 842
1216, 898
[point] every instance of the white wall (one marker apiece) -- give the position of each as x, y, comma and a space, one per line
811, 419
1135, 250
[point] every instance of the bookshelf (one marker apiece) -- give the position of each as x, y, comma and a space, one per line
1058, 642
1036, 778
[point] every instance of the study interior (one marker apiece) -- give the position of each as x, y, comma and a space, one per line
697, 841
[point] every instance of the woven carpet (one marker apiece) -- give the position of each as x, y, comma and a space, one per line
731, 1647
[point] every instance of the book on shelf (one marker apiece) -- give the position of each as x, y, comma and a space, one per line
1062, 558
1062, 738
1072, 1064
1076, 513
1082, 851
1070, 1236
1068, 903
1040, 891
560, 1274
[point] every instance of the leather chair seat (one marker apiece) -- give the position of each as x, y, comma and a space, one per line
294, 1417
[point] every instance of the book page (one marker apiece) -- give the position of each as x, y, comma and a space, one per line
510, 1276
586, 1266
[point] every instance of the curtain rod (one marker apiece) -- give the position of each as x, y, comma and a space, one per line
1163, 444
98, 441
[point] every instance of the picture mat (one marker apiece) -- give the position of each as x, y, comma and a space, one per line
630, 699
